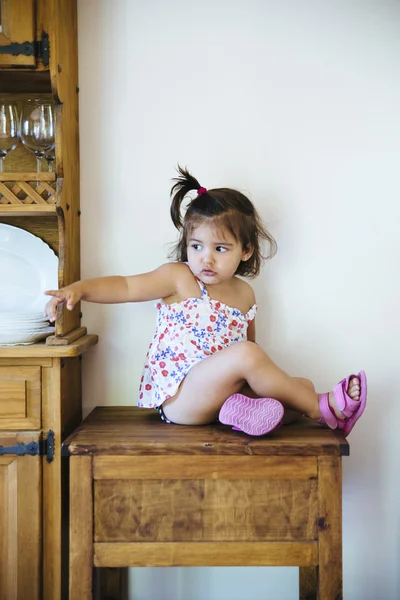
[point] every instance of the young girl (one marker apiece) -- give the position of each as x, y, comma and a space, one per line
203, 362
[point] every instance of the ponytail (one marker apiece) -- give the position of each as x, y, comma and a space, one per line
184, 184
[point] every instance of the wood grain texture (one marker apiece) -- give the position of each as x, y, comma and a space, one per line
61, 18
214, 467
57, 381
71, 396
81, 529
20, 160
20, 522
61, 412
27, 193
136, 431
21, 176
27, 362
61, 408
223, 554
27, 210
8, 528
20, 397
17, 81
12, 399
308, 583
66, 339
110, 584
29, 524
208, 497
51, 419
205, 510
42, 350
54, 217
330, 582
18, 24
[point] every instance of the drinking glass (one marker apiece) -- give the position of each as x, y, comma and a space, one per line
50, 157
9, 132
37, 128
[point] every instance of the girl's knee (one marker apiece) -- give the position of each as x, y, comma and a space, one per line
248, 354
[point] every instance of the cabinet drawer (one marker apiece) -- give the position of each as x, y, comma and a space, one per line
20, 397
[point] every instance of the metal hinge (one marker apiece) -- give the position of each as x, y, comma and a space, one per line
39, 49
41, 447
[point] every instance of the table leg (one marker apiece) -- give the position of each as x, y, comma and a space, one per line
308, 583
111, 583
81, 528
329, 580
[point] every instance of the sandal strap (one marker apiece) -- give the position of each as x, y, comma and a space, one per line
345, 403
328, 416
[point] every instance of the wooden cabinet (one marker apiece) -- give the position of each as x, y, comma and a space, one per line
40, 385
40, 404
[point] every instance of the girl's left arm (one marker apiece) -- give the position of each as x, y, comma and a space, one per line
251, 331
251, 298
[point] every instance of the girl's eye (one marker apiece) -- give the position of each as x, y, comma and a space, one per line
222, 249
196, 246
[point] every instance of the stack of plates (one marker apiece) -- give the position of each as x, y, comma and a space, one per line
23, 328
28, 267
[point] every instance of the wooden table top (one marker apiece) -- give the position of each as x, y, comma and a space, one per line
125, 430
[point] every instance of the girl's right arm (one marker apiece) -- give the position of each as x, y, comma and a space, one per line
161, 283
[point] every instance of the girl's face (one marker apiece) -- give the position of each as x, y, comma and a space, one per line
214, 254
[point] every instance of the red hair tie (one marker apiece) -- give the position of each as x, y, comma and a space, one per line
201, 191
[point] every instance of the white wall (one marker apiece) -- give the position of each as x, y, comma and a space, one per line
297, 104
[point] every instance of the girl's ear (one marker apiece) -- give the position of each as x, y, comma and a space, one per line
247, 253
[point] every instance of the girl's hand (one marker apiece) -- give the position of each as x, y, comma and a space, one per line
69, 295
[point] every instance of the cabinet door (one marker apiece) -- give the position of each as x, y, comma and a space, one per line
17, 24
20, 521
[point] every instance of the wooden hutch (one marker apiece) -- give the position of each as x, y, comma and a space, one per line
40, 384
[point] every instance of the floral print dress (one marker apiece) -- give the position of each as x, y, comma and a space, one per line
186, 333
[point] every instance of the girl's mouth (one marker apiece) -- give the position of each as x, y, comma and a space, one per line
208, 272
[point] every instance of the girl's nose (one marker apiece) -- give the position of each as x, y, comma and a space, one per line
208, 259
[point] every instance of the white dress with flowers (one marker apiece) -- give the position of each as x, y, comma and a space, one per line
186, 333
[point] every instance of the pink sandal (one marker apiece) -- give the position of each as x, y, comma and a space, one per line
351, 409
255, 416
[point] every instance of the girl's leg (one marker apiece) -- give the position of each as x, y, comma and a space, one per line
290, 415
211, 382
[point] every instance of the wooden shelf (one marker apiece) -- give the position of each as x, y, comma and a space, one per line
27, 194
6, 210
42, 350
17, 176
25, 81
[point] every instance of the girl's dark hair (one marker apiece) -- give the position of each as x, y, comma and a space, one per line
226, 208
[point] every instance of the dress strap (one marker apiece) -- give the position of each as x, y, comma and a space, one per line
203, 288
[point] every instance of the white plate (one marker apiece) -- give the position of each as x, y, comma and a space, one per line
28, 267
6, 317
6, 327
19, 316
21, 321
16, 338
